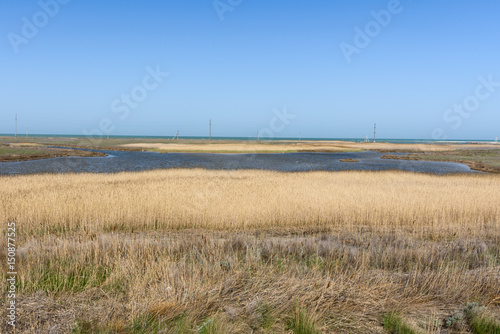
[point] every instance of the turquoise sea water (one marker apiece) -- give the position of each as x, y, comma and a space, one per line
392, 140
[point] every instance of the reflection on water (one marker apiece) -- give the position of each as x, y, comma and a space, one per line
118, 161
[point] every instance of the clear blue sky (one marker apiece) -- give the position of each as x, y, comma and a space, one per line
72, 73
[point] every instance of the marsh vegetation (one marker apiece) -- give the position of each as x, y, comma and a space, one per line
197, 251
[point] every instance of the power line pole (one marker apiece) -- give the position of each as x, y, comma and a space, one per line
15, 130
374, 132
210, 132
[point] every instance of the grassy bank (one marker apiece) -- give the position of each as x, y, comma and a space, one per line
32, 151
485, 160
196, 251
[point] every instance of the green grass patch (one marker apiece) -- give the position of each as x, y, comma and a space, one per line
302, 323
267, 319
484, 325
64, 275
210, 326
182, 324
24, 151
394, 324
145, 324
479, 322
87, 327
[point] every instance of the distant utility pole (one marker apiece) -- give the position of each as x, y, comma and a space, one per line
15, 130
210, 131
374, 132
257, 135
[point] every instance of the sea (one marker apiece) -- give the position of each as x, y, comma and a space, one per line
358, 140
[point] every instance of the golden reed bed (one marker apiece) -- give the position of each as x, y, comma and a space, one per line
242, 200
184, 251
299, 146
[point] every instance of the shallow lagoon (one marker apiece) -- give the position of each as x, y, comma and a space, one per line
118, 161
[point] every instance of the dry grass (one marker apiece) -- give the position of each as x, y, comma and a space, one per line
241, 251
242, 200
24, 145
302, 146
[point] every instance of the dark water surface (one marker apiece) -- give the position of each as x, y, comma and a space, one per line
118, 161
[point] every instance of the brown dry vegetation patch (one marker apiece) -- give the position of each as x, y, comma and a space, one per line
33, 151
345, 279
480, 159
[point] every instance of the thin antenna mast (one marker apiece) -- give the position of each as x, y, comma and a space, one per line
374, 132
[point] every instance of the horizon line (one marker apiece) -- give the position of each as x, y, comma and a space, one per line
247, 138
